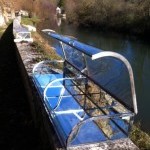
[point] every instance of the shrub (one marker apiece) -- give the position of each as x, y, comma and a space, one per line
128, 15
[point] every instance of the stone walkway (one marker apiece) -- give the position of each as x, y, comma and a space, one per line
16, 126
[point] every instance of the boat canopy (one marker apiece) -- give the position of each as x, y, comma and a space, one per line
109, 70
89, 96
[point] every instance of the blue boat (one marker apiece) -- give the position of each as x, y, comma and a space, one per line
84, 94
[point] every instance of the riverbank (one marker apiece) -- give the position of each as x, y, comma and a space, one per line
131, 17
42, 46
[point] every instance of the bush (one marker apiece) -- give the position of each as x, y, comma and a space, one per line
128, 15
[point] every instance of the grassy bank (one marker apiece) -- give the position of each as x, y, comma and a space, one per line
132, 16
42, 45
30, 21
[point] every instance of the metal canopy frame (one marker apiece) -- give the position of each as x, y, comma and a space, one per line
72, 84
95, 53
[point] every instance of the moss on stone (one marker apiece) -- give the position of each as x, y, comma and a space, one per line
140, 138
30, 21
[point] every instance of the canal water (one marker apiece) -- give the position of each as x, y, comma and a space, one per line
135, 50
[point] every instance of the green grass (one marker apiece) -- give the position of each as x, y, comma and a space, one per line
40, 49
30, 21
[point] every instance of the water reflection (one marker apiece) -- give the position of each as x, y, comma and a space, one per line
136, 51
58, 21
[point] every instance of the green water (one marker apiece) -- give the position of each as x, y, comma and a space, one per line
135, 50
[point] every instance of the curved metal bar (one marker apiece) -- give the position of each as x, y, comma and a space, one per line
52, 82
62, 46
77, 126
97, 53
60, 98
45, 61
48, 30
128, 66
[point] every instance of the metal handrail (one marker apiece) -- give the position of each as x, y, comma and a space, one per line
100, 55
130, 71
45, 61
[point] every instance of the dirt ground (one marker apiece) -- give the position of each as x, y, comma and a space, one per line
17, 131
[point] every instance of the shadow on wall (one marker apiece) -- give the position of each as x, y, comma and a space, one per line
7, 37
17, 129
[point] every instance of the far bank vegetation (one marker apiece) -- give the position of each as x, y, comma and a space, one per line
120, 15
